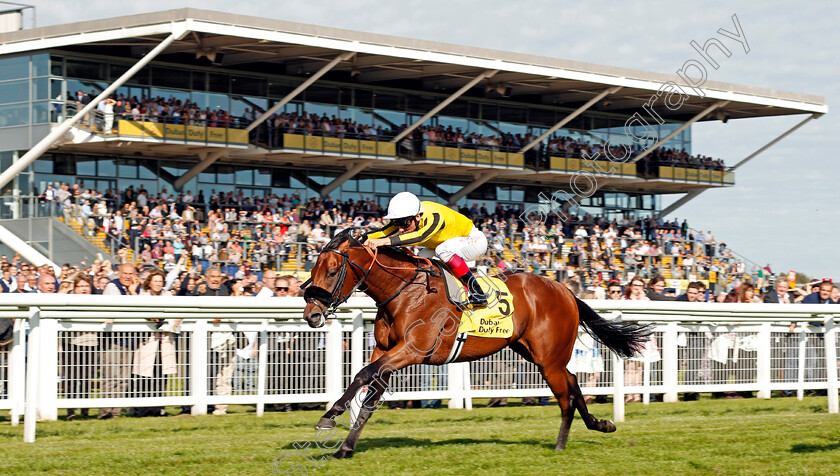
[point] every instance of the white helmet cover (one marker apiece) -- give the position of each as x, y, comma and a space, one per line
403, 205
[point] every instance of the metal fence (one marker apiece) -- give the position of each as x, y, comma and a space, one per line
261, 353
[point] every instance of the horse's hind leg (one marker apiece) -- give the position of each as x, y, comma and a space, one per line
556, 377
592, 423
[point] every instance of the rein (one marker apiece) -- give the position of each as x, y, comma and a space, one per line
330, 301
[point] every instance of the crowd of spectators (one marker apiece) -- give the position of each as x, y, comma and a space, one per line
180, 111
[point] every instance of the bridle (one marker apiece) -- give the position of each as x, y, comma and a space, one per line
330, 301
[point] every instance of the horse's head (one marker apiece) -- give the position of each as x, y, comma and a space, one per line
340, 269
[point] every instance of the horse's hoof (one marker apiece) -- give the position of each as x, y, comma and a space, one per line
609, 426
325, 424
343, 453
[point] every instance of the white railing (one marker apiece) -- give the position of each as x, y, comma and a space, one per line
77, 361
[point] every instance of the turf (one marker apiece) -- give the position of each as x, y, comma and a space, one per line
778, 436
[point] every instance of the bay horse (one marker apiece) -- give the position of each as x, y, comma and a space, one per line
408, 290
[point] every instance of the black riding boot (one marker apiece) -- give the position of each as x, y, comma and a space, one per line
476, 297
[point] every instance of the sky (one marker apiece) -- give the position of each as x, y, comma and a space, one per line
783, 209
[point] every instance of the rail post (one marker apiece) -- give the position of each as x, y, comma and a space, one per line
48, 371
198, 367
670, 362
618, 387
30, 413
800, 375
764, 372
17, 372
334, 360
831, 363
262, 367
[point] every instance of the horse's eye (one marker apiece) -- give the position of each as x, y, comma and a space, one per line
332, 273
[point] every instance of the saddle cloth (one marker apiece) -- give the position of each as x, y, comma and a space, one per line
492, 321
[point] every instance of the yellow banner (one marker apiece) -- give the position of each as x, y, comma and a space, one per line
572, 164
691, 174
717, 176
332, 144
367, 147
679, 173
180, 132
516, 159
293, 141
468, 155
705, 175
314, 142
350, 146
558, 163
729, 177
387, 148
665, 172
434, 152
628, 169
484, 156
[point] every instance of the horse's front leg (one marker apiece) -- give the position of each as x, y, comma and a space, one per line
362, 378
371, 403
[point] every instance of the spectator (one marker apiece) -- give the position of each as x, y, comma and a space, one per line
116, 359
78, 352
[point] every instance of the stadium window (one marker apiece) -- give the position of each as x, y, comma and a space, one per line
248, 86
262, 177
127, 168
238, 104
363, 98
280, 178
279, 89
14, 91
224, 174
360, 116
147, 169
198, 81
106, 168
543, 117
170, 77
77, 68
56, 66
245, 177
518, 115
388, 119
44, 165
423, 103
324, 95
458, 108
490, 112
14, 67
295, 183
86, 165
218, 83
365, 184
167, 94
64, 164
55, 88
208, 176
517, 193
40, 112
40, 65
394, 102
455, 122
321, 109
14, 114
414, 188
510, 128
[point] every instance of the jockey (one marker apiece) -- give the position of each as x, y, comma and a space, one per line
443, 232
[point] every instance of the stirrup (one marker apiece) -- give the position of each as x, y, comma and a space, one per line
477, 300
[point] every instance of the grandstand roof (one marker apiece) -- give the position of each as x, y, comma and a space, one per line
295, 49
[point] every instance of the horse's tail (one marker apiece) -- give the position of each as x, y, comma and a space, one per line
623, 338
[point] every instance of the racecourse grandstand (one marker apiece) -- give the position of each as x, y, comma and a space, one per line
246, 141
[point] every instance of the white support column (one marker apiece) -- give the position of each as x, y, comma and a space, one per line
481, 77
701, 115
480, 179
27, 252
455, 376
465, 377
34, 351
830, 329
334, 367
338, 181
315, 77
764, 370
670, 364
262, 367
646, 380
48, 371
198, 367
618, 387
62, 129
800, 376
17, 372
357, 345
207, 159
577, 112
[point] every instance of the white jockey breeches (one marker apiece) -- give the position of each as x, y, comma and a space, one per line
469, 247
